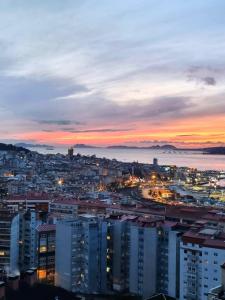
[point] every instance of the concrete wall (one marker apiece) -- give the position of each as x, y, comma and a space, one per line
63, 255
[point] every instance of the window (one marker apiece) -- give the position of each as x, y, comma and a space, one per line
41, 274
43, 249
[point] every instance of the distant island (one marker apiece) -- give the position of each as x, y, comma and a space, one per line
10, 147
163, 147
210, 150
27, 145
84, 146
157, 147
18, 147
214, 150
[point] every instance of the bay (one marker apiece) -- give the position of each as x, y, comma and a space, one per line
193, 159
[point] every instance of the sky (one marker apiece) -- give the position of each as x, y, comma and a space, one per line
109, 72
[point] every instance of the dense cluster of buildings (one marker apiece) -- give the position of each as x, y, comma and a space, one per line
177, 251
62, 225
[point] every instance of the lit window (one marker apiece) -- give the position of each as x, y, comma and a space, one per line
41, 274
43, 249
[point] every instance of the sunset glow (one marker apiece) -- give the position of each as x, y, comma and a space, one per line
115, 80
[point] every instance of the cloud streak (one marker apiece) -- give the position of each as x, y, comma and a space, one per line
58, 122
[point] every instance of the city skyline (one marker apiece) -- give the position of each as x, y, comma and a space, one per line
137, 73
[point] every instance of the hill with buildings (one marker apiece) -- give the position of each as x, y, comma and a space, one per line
10, 147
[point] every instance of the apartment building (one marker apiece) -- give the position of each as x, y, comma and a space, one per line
46, 252
81, 254
202, 252
9, 241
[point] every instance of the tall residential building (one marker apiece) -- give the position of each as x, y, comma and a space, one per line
168, 257
9, 241
46, 253
154, 253
202, 252
28, 239
143, 258
118, 252
81, 254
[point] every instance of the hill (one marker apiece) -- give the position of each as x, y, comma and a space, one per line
214, 150
10, 147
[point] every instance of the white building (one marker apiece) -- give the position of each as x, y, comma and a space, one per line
218, 292
202, 252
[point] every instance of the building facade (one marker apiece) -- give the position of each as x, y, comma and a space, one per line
46, 253
82, 268
9, 241
202, 252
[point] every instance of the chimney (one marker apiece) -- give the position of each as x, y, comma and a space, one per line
31, 276
13, 282
2, 290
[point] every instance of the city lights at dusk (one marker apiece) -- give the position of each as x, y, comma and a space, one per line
112, 150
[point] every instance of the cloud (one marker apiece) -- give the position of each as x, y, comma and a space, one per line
58, 122
164, 108
96, 130
33, 99
209, 80
186, 135
48, 130
205, 75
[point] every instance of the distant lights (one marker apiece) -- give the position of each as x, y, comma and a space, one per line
60, 181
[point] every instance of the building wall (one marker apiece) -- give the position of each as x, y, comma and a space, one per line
46, 255
63, 255
82, 267
143, 261
199, 270
14, 246
120, 255
173, 264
